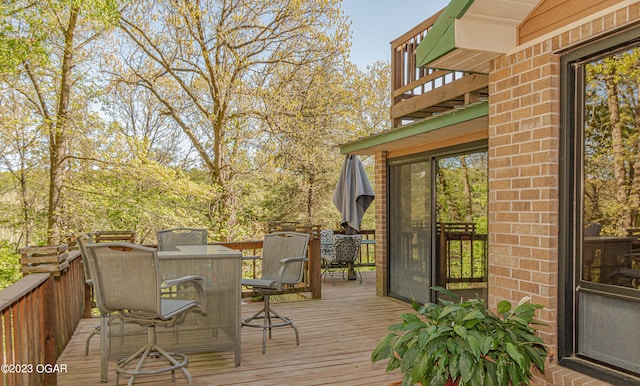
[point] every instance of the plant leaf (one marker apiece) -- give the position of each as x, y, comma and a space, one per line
475, 314
466, 366
514, 353
460, 331
503, 307
384, 349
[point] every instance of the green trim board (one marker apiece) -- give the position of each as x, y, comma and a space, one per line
439, 122
441, 38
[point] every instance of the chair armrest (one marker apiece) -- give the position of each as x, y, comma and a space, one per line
290, 260
180, 280
196, 281
284, 263
251, 257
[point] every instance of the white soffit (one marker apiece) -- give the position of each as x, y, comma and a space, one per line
491, 25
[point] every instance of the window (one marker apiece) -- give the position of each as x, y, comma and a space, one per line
599, 220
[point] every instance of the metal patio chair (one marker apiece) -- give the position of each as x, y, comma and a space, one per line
126, 280
327, 255
83, 239
346, 253
284, 255
170, 238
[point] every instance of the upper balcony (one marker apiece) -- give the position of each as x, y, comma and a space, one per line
418, 92
439, 77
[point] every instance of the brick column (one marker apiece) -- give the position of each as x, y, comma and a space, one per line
382, 257
524, 112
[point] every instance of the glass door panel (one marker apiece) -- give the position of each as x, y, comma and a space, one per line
410, 230
461, 214
608, 160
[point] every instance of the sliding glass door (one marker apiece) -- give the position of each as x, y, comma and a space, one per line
437, 222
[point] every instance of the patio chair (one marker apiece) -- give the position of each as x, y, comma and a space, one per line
126, 280
283, 261
627, 272
592, 229
83, 239
170, 238
326, 254
346, 254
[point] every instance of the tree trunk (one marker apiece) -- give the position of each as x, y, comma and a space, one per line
618, 153
58, 136
466, 184
634, 199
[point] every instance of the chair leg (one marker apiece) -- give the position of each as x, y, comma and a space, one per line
96, 331
358, 273
266, 314
326, 270
177, 360
104, 347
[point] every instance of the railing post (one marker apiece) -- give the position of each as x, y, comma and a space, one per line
315, 276
88, 301
443, 260
48, 327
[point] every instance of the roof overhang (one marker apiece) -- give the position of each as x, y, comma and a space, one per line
456, 123
470, 33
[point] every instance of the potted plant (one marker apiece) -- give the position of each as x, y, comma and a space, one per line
464, 343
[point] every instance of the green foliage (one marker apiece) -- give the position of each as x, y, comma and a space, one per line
464, 341
9, 264
20, 36
462, 190
138, 196
246, 132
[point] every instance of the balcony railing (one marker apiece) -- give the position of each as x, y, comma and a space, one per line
38, 316
419, 93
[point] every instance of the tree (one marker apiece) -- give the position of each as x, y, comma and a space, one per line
21, 147
67, 28
213, 64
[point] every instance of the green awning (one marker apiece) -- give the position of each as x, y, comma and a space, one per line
454, 122
441, 39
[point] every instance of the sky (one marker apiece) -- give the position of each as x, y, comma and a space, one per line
375, 23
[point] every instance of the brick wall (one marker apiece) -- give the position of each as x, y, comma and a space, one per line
382, 284
524, 129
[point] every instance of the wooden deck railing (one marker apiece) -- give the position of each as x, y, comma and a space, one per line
251, 268
418, 92
463, 253
38, 316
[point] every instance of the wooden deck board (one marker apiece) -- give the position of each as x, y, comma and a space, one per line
337, 335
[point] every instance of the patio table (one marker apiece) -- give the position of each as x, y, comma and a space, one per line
216, 329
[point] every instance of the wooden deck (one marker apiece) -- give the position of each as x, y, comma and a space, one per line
337, 335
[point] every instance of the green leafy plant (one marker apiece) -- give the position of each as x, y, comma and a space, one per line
464, 342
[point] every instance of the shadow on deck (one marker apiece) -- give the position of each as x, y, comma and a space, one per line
337, 335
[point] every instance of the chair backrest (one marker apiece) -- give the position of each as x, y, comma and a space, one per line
125, 277
326, 244
170, 238
82, 239
592, 229
347, 247
281, 245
